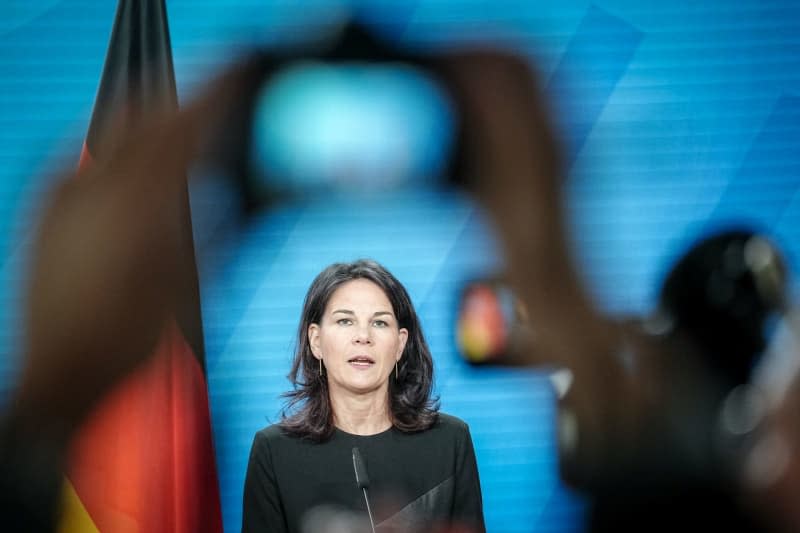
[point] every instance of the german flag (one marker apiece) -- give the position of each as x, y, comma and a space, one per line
144, 461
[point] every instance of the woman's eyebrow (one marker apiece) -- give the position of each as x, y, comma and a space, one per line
349, 312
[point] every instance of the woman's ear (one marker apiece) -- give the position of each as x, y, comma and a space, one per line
402, 335
313, 340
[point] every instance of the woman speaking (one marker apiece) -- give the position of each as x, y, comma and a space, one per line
361, 438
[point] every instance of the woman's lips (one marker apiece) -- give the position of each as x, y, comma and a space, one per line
361, 361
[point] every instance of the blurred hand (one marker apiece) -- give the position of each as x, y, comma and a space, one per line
641, 405
106, 256
518, 177
771, 467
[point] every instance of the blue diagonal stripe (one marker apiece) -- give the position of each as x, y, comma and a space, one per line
769, 177
595, 59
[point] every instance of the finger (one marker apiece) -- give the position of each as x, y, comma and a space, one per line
163, 143
517, 162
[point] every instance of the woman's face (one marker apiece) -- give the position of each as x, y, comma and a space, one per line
358, 339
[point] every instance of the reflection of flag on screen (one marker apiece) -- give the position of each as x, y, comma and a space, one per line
144, 461
482, 332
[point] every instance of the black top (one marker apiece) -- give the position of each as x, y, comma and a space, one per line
416, 480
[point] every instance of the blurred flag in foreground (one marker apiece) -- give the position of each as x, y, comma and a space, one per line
144, 461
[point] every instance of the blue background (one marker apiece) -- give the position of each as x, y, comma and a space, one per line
677, 117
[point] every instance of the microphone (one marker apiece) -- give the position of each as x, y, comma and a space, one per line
362, 480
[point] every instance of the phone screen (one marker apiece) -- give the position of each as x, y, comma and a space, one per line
353, 126
489, 317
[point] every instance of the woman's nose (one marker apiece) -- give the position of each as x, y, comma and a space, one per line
362, 336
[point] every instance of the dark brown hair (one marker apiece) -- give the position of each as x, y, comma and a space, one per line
308, 412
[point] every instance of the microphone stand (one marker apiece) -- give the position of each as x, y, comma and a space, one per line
362, 480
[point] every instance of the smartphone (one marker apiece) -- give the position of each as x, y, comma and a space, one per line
356, 115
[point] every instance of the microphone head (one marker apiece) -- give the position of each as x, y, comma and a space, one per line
362, 480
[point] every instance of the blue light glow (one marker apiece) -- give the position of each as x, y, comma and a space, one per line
355, 125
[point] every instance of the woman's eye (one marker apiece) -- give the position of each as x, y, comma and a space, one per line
380, 323
344, 321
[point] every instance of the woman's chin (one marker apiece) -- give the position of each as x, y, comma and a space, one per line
364, 385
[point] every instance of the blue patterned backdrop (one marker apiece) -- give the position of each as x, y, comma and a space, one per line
677, 117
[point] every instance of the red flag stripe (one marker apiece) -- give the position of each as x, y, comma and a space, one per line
140, 463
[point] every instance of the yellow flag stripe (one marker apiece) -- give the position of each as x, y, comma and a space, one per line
74, 517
